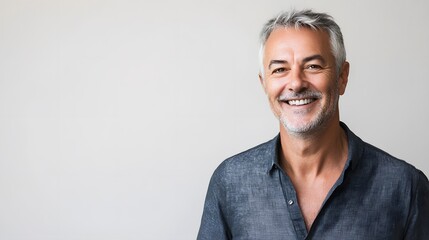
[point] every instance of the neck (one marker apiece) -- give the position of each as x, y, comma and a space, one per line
316, 154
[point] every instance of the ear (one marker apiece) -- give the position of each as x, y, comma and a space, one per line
343, 78
262, 82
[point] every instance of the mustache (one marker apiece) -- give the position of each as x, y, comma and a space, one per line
301, 95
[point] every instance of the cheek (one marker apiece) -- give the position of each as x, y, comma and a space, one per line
274, 89
333, 93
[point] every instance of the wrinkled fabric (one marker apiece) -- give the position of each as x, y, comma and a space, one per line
376, 197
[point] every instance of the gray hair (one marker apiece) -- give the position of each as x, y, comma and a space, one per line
308, 19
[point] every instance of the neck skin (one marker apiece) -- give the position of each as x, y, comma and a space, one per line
316, 155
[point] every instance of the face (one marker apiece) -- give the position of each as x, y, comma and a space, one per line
301, 80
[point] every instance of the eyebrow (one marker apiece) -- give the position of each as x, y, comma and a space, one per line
314, 57
305, 60
276, 62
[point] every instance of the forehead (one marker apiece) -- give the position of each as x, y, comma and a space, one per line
300, 42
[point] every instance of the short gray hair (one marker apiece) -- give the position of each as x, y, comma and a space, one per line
308, 19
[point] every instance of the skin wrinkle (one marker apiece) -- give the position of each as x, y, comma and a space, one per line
305, 60
287, 62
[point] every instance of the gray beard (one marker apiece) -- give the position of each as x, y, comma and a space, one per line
315, 125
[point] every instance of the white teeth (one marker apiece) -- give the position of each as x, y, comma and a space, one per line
300, 102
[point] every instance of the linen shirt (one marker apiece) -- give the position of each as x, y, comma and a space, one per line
376, 197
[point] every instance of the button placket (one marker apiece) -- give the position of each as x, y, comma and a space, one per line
291, 202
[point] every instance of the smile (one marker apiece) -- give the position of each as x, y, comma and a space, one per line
300, 102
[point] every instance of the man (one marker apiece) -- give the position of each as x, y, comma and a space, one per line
316, 179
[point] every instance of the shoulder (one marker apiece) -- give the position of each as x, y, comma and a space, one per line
255, 160
384, 168
378, 168
373, 161
384, 161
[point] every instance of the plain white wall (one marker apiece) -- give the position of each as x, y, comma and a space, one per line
114, 114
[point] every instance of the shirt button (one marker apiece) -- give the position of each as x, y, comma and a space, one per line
290, 202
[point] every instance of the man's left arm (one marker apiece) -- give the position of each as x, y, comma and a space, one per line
418, 221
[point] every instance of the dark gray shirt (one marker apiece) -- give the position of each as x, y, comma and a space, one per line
376, 197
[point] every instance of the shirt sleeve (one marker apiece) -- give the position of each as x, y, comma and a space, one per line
418, 220
213, 225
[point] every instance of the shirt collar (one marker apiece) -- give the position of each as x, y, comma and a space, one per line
355, 150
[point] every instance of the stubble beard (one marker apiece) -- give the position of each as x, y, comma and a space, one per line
317, 123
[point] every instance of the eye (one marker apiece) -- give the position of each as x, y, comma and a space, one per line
279, 70
313, 67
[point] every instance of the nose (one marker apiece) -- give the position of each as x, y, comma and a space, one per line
297, 82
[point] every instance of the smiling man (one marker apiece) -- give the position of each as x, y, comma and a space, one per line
316, 179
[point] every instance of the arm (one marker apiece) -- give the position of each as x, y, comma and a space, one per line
418, 220
213, 225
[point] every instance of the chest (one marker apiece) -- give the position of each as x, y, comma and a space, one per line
272, 212
312, 194
310, 200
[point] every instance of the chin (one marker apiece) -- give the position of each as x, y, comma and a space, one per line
302, 128
299, 129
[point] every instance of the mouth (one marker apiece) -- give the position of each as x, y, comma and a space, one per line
300, 99
300, 102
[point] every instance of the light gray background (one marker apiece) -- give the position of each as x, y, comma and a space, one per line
114, 114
